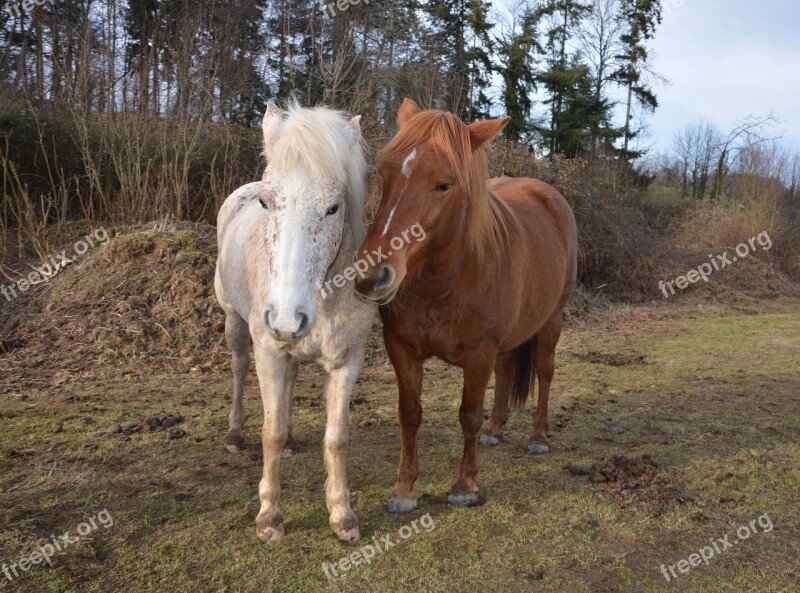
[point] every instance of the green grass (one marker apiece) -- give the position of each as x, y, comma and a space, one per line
714, 402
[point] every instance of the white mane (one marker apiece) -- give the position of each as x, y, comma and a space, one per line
320, 141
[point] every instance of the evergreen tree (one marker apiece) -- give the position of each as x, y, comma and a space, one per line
461, 46
517, 55
640, 19
478, 60
559, 78
584, 119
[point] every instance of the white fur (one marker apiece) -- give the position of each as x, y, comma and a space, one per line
407, 173
389, 221
278, 259
411, 156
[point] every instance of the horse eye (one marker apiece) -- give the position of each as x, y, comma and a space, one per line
332, 210
442, 187
263, 203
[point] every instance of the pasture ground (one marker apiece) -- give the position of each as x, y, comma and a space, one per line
701, 395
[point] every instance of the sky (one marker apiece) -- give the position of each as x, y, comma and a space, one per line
726, 59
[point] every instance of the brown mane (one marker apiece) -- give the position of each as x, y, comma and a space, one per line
448, 136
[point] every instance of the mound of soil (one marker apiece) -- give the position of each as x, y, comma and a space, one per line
752, 276
635, 481
144, 296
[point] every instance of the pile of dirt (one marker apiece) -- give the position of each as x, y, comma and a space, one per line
752, 276
631, 481
143, 298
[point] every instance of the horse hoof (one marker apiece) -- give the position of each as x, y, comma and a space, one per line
348, 535
538, 448
269, 527
401, 505
234, 441
490, 440
346, 528
463, 499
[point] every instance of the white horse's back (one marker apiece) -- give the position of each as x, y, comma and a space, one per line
235, 223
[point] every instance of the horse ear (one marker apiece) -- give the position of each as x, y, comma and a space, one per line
355, 127
407, 110
482, 132
273, 120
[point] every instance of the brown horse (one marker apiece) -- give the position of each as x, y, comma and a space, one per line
484, 291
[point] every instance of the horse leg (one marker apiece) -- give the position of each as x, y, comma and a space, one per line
294, 367
502, 394
544, 362
476, 377
272, 369
403, 498
237, 334
338, 388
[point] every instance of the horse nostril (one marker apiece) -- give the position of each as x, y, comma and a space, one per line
387, 277
267, 323
304, 326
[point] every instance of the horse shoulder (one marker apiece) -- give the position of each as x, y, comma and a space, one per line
233, 204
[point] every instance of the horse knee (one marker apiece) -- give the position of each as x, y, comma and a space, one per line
410, 418
237, 331
273, 442
336, 445
471, 419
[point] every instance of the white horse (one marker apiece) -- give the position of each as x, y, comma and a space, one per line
279, 240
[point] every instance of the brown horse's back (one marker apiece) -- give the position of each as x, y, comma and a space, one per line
532, 203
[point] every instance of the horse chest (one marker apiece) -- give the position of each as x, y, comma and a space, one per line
433, 332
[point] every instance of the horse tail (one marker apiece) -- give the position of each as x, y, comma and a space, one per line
522, 372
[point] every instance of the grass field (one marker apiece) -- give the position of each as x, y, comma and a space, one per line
710, 392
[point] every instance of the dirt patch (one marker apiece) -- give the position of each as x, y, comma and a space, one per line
614, 360
632, 481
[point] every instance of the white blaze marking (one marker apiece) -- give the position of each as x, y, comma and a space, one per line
411, 156
389, 220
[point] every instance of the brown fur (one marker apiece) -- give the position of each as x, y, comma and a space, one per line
484, 291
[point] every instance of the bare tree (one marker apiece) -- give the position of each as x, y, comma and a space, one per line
746, 133
599, 38
694, 152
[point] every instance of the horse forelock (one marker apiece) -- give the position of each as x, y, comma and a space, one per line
449, 137
320, 145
